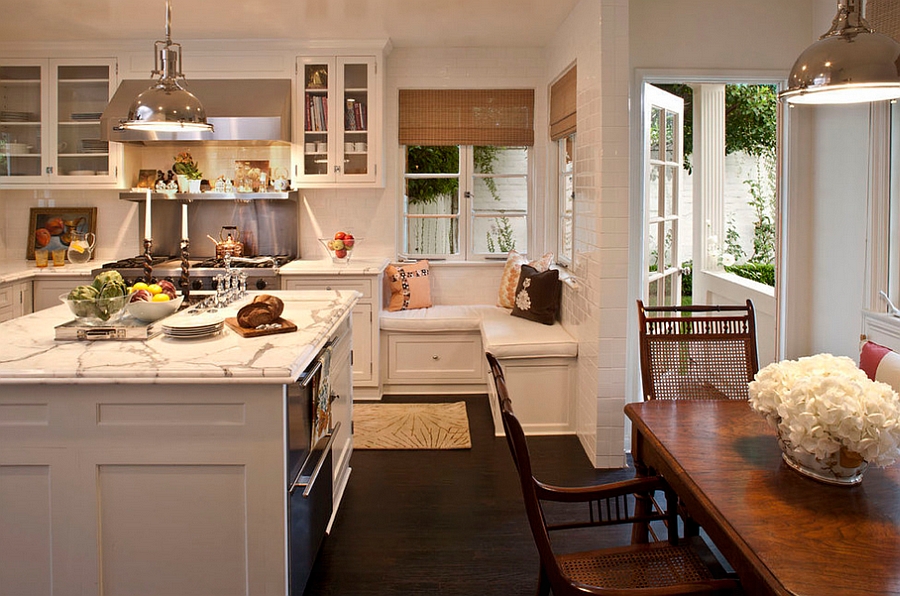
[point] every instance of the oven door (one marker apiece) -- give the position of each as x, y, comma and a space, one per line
310, 498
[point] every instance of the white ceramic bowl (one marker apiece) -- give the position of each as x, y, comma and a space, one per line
98, 311
148, 311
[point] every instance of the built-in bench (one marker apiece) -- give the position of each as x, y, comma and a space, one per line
441, 349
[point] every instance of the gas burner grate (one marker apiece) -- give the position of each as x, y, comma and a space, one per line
136, 262
214, 263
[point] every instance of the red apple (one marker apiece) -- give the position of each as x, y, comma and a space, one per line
140, 296
349, 241
340, 253
340, 235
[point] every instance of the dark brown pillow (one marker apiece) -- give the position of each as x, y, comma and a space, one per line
537, 295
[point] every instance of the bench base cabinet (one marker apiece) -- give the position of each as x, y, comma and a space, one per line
541, 390
433, 363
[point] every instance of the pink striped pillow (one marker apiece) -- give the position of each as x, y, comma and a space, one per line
880, 364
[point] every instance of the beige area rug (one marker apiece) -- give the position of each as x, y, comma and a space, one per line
411, 426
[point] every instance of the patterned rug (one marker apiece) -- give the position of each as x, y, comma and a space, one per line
411, 426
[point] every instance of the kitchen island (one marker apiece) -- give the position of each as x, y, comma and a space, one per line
157, 466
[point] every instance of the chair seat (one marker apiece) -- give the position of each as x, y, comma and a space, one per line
653, 565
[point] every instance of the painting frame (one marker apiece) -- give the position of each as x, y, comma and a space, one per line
56, 221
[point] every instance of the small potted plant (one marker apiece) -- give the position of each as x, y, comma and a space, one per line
187, 172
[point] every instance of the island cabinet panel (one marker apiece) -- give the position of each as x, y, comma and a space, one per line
140, 488
26, 540
194, 508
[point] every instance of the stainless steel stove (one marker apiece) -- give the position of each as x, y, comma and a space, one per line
261, 272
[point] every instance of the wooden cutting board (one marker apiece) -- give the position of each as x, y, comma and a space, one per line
286, 327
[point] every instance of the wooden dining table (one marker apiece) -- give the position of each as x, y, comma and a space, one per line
782, 532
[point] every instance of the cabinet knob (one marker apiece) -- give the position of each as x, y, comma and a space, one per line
435, 357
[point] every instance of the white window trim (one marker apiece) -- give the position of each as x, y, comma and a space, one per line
563, 259
466, 216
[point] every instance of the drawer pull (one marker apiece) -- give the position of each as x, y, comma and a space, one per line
435, 357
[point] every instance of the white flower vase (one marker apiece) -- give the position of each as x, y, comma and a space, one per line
194, 186
843, 468
183, 185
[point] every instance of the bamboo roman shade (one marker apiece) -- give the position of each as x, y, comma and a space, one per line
884, 17
562, 106
500, 117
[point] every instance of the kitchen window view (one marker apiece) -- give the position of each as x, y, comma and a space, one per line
465, 202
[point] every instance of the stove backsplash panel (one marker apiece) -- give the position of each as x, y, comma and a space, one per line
266, 226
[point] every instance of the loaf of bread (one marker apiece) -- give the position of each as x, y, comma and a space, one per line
264, 309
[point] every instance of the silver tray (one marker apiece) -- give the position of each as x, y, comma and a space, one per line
124, 329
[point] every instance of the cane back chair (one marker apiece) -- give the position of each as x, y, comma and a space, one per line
697, 352
672, 566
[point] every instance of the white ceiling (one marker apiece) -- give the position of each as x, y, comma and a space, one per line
442, 23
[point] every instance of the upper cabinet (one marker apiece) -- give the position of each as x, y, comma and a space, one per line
339, 121
50, 122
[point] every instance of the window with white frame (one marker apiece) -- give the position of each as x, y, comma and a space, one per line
565, 247
465, 202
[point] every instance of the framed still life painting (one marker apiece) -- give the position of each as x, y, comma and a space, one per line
52, 227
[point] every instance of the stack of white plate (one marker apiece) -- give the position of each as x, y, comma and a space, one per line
193, 324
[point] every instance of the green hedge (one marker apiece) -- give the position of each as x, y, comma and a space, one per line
761, 272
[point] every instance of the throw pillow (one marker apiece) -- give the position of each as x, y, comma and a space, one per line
410, 286
510, 278
537, 295
880, 364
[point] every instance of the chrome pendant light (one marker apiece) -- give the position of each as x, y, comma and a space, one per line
167, 106
851, 63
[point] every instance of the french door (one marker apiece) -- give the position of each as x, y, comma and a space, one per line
663, 157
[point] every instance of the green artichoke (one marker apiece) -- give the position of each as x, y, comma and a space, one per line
109, 277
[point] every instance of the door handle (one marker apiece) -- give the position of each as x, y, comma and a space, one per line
307, 483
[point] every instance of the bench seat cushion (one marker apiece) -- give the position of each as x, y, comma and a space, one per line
441, 317
506, 336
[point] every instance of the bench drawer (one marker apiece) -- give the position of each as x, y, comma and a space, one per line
434, 357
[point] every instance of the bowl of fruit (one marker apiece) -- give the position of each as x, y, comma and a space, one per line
341, 246
152, 302
99, 303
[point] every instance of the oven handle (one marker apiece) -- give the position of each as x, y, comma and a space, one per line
306, 483
309, 375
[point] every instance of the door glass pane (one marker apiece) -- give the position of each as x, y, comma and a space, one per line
669, 190
356, 119
500, 234
653, 296
82, 95
668, 244
653, 191
653, 247
671, 121
654, 132
315, 119
20, 121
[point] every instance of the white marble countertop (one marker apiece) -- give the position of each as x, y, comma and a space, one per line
362, 266
31, 355
17, 270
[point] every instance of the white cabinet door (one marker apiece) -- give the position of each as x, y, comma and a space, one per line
338, 113
50, 122
15, 300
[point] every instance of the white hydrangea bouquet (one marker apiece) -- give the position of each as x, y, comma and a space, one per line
825, 406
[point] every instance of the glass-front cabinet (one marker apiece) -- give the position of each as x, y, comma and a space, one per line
50, 122
339, 139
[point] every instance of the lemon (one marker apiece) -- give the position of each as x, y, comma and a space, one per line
139, 285
154, 289
160, 298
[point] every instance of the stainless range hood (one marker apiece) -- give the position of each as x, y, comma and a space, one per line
249, 111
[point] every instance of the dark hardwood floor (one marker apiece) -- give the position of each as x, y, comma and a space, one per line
443, 523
